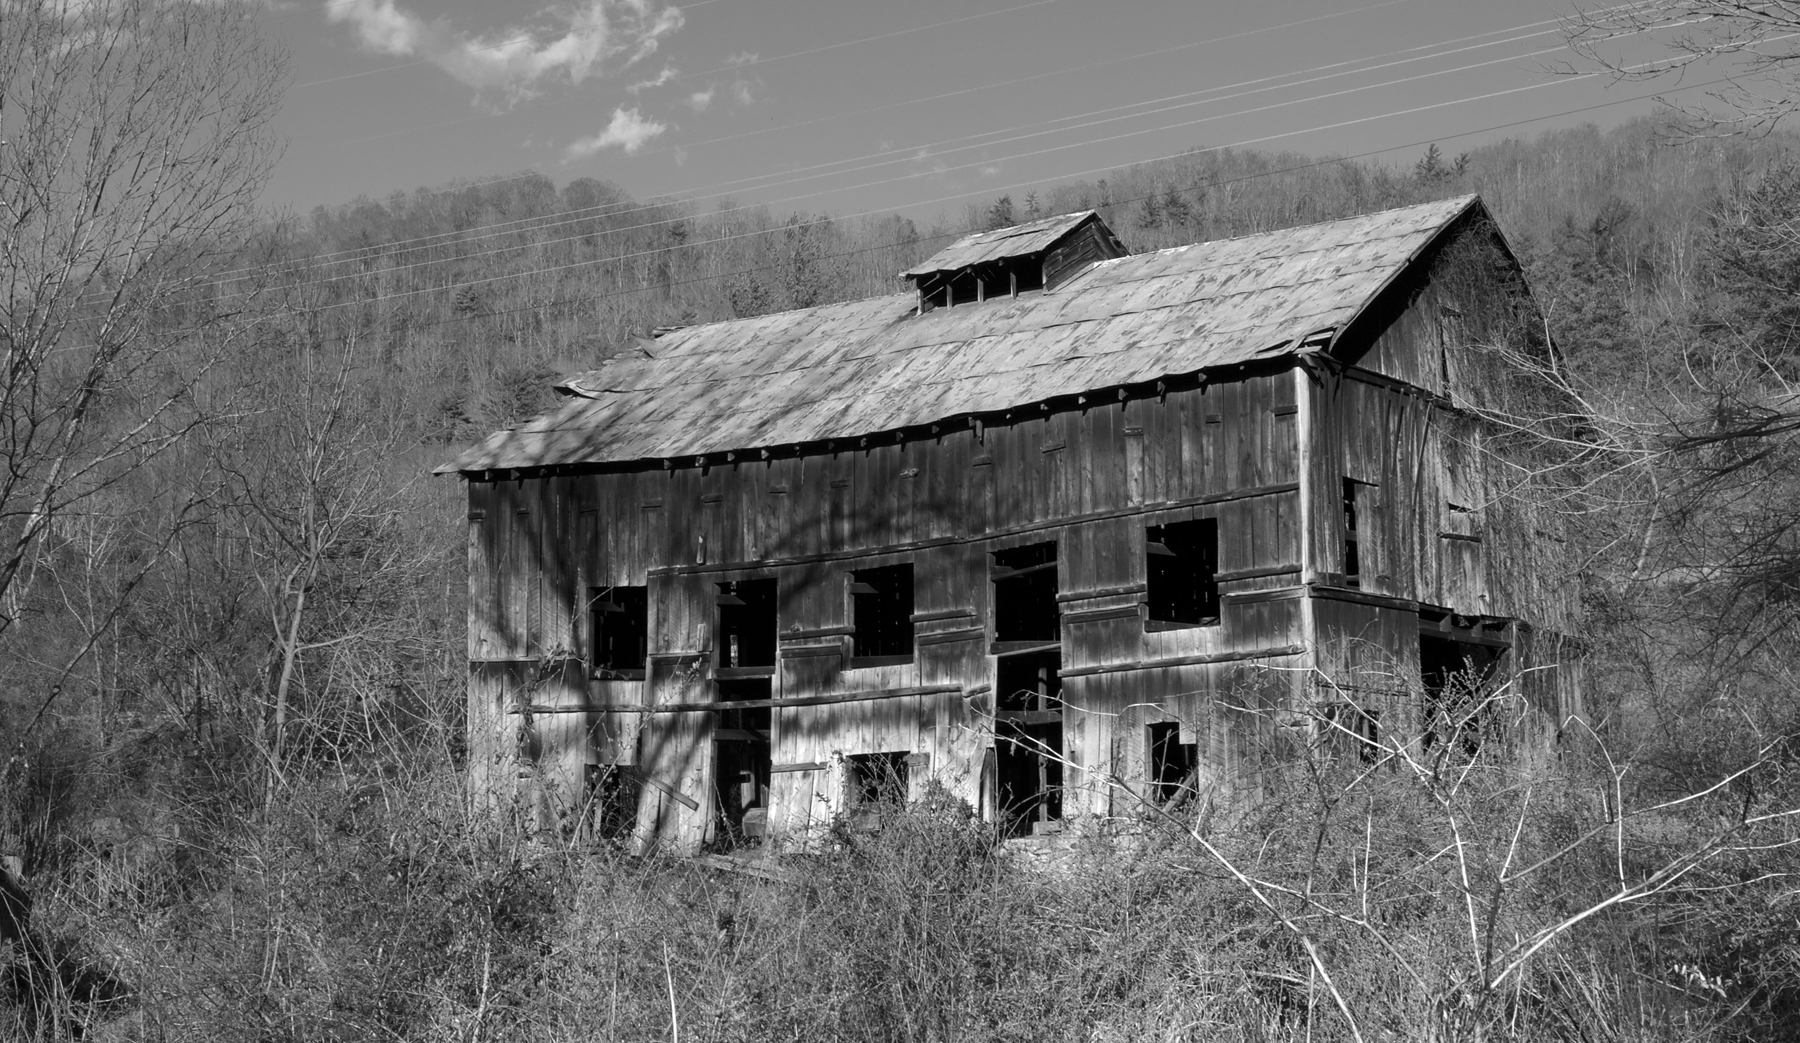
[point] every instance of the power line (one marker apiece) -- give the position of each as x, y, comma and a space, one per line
553, 221
1240, 144
886, 181
581, 214
601, 295
582, 298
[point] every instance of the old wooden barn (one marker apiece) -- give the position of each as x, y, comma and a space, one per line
1057, 517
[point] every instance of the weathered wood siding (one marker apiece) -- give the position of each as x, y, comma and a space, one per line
1091, 479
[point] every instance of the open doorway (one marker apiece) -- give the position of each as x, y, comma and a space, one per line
741, 766
1457, 677
1028, 743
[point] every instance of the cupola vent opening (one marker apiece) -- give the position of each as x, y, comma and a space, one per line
1006, 262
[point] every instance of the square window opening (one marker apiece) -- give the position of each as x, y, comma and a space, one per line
747, 623
1174, 766
1181, 566
1025, 606
964, 286
881, 613
619, 622
1458, 705
877, 779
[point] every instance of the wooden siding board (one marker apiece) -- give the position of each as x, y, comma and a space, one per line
1395, 438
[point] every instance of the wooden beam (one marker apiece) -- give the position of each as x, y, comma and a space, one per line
753, 704
655, 783
1186, 660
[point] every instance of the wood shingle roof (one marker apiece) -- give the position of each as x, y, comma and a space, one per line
875, 365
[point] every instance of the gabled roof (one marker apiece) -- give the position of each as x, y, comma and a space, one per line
1016, 241
875, 365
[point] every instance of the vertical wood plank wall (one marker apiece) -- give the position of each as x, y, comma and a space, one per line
1434, 531
1090, 479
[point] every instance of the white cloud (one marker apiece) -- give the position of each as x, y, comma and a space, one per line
741, 58
669, 72
599, 37
741, 91
628, 130
699, 100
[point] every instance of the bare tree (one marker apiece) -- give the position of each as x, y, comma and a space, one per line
1679, 41
316, 501
134, 138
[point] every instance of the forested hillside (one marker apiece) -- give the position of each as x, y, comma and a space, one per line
233, 649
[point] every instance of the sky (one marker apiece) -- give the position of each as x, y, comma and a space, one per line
828, 106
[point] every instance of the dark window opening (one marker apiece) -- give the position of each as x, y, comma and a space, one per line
1025, 594
747, 623
1181, 562
1459, 707
741, 763
612, 799
619, 618
1028, 742
963, 287
1353, 729
1029, 275
935, 295
877, 779
1174, 765
997, 284
881, 614
1352, 555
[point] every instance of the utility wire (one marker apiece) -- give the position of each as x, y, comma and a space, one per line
583, 298
1083, 173
410, 325
692, 244
580, 214
553, 221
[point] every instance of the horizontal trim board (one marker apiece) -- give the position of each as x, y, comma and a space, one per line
1361, 597
1186, 660
777, 769
806, 635
743, 673
753, 704
1095, 615
811, 651
943, 637
945, 613
1272, 570
1253, 597
1102, 592
1250, 493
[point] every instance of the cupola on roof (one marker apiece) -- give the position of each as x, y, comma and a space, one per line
1004, 262
859, 367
